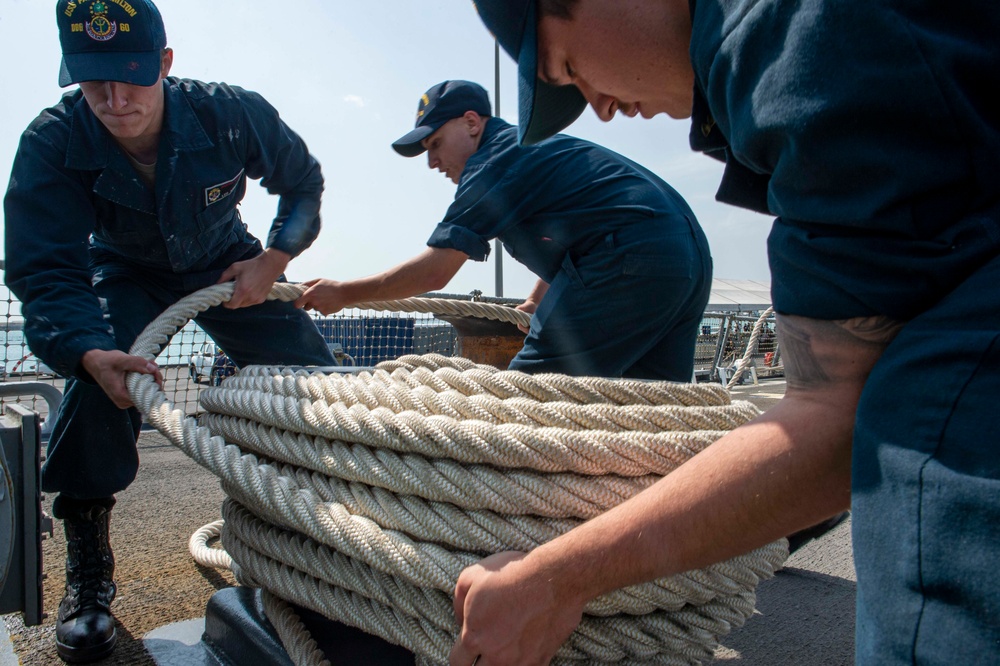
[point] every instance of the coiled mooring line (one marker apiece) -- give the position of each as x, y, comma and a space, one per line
363, 497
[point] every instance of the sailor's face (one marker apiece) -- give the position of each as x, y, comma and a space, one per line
623, 56
128, 111
450, 147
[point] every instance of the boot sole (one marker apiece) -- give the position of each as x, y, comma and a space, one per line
83, 655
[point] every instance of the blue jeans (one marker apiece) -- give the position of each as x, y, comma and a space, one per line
629, 307
92, 450
926, 487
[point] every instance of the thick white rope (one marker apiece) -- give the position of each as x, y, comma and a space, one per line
298, 569
547, 449
205, 555
296, 639
370, 470
751, 348
414, 378
298, 642
450, 307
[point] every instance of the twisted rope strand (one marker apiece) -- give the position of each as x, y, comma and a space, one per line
397, 398
751, 347
516, 492
479, 382
282, 553
450, 307
293, 634
549, 449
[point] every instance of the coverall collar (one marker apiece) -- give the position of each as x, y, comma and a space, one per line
90, 143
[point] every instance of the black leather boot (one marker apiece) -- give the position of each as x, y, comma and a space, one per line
85, 629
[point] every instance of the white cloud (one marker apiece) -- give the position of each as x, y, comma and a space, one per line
356, 100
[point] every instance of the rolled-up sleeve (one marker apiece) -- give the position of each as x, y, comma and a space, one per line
485, 206
453, 237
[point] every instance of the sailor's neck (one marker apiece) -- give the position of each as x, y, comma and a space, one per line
141, 149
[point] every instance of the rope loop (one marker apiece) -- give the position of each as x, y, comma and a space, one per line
747, 359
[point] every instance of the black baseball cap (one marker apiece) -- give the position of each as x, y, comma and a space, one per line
443, 102
110, 40
543, 109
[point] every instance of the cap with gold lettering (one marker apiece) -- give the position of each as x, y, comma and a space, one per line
110, 40
443, 102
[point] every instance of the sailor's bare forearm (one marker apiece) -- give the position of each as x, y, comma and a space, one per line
785, 471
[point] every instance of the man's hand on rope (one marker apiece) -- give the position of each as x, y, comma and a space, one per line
326, 296
254, 277
108, 369
529, 307
532, 301
510, 614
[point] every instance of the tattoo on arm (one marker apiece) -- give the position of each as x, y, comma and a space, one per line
873, 330
819, 352
801, 365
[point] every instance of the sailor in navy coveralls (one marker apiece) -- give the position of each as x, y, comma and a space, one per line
124, 198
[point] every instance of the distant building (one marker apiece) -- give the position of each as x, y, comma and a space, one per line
739, 296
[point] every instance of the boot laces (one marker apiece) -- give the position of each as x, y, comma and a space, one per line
89, 578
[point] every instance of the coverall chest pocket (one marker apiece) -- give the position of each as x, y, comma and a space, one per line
128, 233
218, 226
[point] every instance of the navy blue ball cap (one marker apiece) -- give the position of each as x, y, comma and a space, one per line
445, 101
110, 40
543, 109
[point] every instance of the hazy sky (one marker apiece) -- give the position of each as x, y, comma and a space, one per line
347, 77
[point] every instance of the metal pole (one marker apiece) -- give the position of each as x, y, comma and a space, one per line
497, 245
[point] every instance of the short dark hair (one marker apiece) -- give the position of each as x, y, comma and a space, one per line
562, 9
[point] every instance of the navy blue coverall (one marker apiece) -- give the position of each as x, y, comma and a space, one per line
871, 129
95, 254
628, 266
